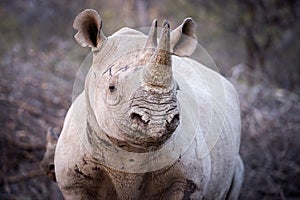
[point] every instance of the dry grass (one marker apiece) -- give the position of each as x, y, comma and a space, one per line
270, 137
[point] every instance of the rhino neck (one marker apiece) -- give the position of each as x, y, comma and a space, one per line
127, 146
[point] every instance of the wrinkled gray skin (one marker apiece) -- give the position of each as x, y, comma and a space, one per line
130, 96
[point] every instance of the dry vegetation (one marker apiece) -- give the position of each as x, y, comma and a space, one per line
270, 138
39, 63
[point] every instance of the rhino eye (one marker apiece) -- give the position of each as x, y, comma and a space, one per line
111, 88
113, 97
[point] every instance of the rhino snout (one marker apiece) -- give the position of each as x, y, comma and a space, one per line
155, 125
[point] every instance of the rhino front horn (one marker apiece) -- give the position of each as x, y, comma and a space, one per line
158, 71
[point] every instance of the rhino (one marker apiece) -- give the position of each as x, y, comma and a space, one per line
151, 122
47, 164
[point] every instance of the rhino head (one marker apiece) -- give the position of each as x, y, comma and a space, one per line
130, 88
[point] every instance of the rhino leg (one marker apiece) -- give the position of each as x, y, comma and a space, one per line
87, 180
176, 191
167, 183
237, 180
47, 164
182, 189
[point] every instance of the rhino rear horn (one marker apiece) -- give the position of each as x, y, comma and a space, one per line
183, 39
89, 26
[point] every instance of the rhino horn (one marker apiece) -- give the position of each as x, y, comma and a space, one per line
158, 71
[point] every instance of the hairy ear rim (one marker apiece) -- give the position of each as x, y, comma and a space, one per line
183, 39
189, 27
88, 23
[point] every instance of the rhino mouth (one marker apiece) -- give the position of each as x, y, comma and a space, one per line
153, 130
144, 134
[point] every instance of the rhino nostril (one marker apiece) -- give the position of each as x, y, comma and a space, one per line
139, 118
174, 123
136, 116
176, 117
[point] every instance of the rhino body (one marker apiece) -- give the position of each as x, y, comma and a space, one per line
127, 78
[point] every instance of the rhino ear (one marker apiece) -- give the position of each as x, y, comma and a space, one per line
89, 26
52, 137
183, 39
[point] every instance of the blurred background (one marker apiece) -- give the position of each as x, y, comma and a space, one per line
255, 44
